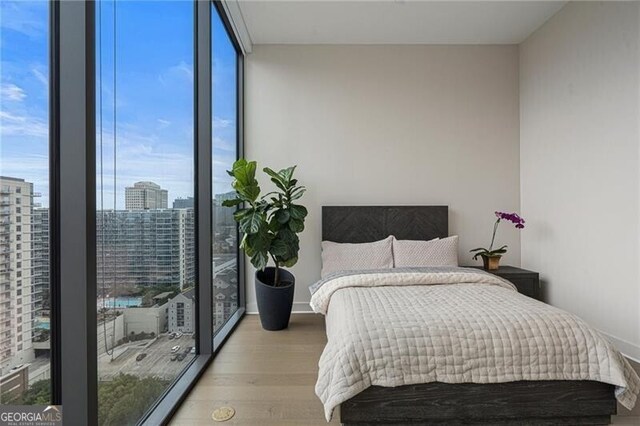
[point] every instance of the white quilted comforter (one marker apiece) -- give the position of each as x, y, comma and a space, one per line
452, 325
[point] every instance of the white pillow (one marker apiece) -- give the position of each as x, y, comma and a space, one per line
438, 252
356, 257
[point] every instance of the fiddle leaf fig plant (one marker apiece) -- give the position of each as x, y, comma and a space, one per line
270, 223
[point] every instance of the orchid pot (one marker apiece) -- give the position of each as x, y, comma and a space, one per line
491, 263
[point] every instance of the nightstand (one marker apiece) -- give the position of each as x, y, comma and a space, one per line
527, 282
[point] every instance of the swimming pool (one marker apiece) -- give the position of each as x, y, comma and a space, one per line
119, 302
42, 324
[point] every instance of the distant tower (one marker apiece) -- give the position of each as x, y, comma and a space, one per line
145, 196
183, 203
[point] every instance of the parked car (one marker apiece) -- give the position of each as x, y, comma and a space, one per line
181, 357
193, 350
178, 335
174, 357
171, 336
141, 356
175, 349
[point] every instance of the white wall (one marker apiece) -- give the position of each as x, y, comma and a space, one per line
579, 154
371, 125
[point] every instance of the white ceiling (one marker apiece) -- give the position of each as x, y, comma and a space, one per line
393, 21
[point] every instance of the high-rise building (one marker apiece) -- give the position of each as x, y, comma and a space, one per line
223, 216
17, 292
145, 196
183, 203
139, 248
40, 262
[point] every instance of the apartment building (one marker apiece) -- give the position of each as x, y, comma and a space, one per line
17, 289
141, 248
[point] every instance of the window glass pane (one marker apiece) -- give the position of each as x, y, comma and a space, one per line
225, 233
145, 189
25, 368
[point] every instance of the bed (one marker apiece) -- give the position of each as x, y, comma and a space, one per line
398, 355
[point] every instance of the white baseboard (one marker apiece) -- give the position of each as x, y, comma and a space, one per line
628, 349
298, 308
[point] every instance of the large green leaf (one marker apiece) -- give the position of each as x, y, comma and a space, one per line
298, 192
232, 203
251, 222
279, 248
249, 192
296, 225
279, 184
290, 262
276, 178
271, 173
282, 216
287, 174
239, 214
245, 182
244, 172
259, 260
260, 241
298, 212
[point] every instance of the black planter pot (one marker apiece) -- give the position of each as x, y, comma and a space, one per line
274, 303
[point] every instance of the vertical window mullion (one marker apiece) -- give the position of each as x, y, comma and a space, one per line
74, 215
203, 177
54, 204
240, 150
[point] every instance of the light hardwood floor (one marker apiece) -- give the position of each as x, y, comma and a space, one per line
269, 378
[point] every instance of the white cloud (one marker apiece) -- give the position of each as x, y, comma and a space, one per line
30, 167
28, 18
144, 156
41, 77
182, 71
163, 124
221, 123
223, 144
22, 125
11, 92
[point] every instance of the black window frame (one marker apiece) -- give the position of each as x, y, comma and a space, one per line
225, 330
72, 163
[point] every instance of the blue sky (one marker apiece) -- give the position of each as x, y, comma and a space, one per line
153, 101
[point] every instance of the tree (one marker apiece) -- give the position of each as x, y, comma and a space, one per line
37, 394
124, 400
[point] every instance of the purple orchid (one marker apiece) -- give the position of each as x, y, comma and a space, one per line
490, 252
511, 217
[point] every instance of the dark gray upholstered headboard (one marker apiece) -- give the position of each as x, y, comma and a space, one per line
363, 224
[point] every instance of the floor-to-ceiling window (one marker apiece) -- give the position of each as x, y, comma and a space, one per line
25, 343
102, 231
224, 58
145, 203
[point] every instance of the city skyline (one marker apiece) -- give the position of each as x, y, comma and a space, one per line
154, 104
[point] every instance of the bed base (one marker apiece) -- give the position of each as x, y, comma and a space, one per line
515, 403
